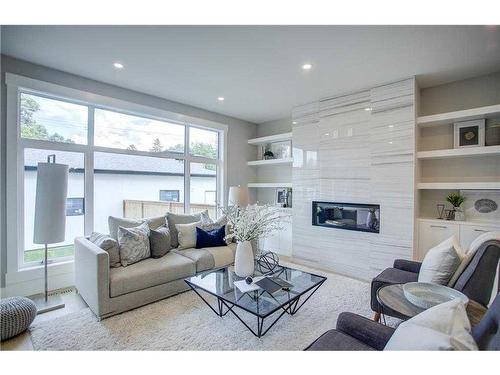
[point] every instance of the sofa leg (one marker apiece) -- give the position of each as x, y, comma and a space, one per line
376, 317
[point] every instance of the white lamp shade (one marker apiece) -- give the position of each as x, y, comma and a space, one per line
238, 196
50, 204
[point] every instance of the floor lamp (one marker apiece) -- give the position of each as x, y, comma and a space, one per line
50, 219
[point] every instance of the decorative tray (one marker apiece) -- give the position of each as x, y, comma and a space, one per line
426, 295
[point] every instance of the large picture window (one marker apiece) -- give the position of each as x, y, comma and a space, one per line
124, 160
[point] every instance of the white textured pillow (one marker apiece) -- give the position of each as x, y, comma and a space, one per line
134, 244
186, 234
441, 262
442, 327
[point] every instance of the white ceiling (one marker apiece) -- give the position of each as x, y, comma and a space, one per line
258, 68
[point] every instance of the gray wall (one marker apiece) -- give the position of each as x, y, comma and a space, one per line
282, 125
468, 93
239, 152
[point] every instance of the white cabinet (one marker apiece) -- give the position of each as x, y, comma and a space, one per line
279, 242
469, 233
432, 231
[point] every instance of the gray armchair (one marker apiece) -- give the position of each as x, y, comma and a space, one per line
476, 281
355, 332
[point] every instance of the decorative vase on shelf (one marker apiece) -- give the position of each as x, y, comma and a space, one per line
244, 259
459, 214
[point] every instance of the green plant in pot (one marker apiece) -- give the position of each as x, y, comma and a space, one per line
456, 200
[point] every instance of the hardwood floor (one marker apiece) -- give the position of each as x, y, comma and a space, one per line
73, 302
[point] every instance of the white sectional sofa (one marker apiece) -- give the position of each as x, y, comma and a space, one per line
109, 291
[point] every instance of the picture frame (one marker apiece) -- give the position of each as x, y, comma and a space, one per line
281, 197
469, 134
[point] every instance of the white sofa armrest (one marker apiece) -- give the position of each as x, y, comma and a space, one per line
92, 275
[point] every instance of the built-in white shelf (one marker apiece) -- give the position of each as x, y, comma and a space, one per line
270, 185
490, 111
459, 152
469, 222
459, 185
270, 139
270, 162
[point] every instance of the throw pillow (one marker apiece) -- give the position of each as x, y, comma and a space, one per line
442, 327
219, 223
134, 244
115, 222
108, 244
159, 240
174, 219
211, 238
186, 234
156, 221
441, 262
205, 217
473, 248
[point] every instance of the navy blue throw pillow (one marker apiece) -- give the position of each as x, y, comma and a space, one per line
211, 238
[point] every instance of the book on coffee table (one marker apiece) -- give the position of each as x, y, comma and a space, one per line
273, 284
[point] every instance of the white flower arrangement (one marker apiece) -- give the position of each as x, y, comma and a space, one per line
253, 221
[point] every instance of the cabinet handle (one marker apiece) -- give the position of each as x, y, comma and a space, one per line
438, 226
480, 230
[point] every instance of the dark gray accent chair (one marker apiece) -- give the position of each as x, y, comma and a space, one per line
356, 332
476, 281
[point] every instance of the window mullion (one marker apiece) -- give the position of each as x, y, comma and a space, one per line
187, 171
89, 176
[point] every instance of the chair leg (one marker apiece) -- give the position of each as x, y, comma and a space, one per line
376, 317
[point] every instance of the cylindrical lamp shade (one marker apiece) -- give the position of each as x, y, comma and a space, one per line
50, 204
238, 196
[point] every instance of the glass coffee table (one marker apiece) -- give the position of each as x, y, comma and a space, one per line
219, 283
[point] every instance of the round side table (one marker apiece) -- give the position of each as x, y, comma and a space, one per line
391, 297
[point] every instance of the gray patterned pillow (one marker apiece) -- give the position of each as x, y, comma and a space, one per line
108, 244
134, 244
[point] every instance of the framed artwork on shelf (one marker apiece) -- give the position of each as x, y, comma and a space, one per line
469, 134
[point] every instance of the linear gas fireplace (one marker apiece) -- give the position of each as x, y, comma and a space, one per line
350, 216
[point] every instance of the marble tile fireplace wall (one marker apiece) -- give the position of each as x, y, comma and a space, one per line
358, 148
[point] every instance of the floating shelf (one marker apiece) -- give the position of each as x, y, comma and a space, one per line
270, 162
459, 152
270, 185
270, 139
459, 185
490, 111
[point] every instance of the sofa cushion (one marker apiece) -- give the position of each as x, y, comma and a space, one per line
201, 257
210, 238
159, 240
441, 262
336, 340
134, 244
174, 219
150, 272
115, 222
442, 327
108, 244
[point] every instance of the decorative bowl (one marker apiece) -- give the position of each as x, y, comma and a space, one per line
426, 295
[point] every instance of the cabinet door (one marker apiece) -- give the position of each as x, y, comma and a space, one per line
432, 233
469, 233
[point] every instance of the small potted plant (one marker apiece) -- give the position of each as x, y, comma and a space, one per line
456, 200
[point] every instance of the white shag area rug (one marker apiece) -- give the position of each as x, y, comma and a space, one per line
184, 322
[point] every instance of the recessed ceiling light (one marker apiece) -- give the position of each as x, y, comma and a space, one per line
118, 65
307, 66
220, 98
368, 109
294, 122
391, 126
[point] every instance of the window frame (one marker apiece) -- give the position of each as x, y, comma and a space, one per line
16, 144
